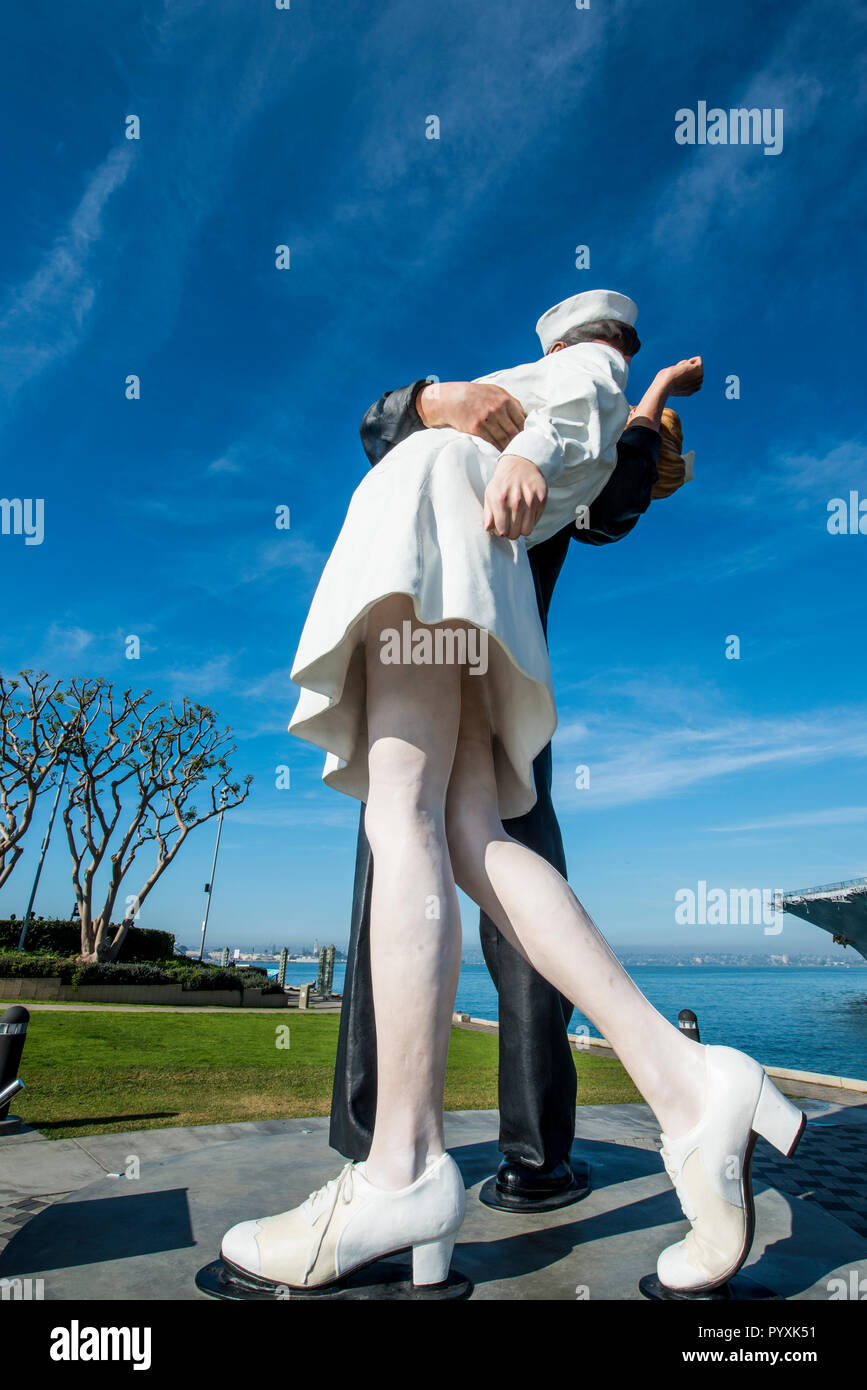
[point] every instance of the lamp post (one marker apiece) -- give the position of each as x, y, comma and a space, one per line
209, 886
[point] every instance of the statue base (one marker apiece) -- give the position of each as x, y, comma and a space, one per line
377, 1282
580, 1186
737, 1290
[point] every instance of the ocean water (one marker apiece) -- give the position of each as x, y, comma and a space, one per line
809, 1018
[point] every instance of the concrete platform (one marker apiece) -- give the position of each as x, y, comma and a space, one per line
117, 1238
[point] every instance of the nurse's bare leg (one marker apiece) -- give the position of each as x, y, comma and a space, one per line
413, 714
535, 908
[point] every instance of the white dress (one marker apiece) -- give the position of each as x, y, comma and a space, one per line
414, 526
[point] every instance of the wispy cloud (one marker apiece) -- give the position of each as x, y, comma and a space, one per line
46, 317
812, 477
709, 195
790, 481
300, 810
290, 553
631, 762
274, 685
68, 642
206, 679
835, 815
229, 462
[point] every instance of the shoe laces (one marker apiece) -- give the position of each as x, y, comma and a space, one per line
674, 1170
324, 1202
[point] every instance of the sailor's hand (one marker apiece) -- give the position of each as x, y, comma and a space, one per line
473, 407
514, 498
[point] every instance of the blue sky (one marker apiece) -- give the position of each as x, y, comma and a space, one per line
409, 257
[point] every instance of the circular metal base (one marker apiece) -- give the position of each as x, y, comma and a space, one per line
11, 1124
378, 1281
737, 1290
580, 1186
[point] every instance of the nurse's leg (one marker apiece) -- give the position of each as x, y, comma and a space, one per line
535, 908
413, 714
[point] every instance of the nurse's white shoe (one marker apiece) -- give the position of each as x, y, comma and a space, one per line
349, 1223
710, 1168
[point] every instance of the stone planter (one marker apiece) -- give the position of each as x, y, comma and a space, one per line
50, 989
40, 987
122, 994
255, 999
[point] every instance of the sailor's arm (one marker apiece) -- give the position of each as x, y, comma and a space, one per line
391, 419
582, 418
478, 408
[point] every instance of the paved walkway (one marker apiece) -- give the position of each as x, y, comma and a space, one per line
148, 1235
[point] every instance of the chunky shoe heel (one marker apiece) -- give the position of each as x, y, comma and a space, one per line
778, 1120
711, 1168
430, 1262
348, 1224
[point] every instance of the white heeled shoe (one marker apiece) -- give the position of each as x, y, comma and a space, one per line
349, 1223
710, 1168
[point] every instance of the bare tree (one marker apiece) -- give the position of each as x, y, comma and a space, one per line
155, 758
33, 742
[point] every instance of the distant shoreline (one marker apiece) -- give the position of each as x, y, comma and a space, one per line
755, 964
630, 959
725, 962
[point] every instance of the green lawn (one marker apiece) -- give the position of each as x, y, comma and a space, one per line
98, 1073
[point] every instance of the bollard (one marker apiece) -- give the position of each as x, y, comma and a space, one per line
688, 1024
325, 979
13, 1032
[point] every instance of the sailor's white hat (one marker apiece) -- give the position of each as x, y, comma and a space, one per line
584, 308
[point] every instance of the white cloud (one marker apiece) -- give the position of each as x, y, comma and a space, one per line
46, 317
835, 815
830, 472
631, 761
204, 679
289, 553
227, 463
718, 186
69, 641
273, 685
301, 810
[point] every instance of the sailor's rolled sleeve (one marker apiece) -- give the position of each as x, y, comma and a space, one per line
542, 444
584, 411
390, 420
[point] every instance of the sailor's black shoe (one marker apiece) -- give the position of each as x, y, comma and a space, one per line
518, 1180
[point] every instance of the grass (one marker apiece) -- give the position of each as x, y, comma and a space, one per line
115, 1006
95, 1073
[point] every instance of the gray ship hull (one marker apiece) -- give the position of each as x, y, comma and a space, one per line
838, 908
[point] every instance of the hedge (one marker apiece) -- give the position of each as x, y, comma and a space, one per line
132, 974
257, 977
64, 938
37, 967
72, 972
189, 974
